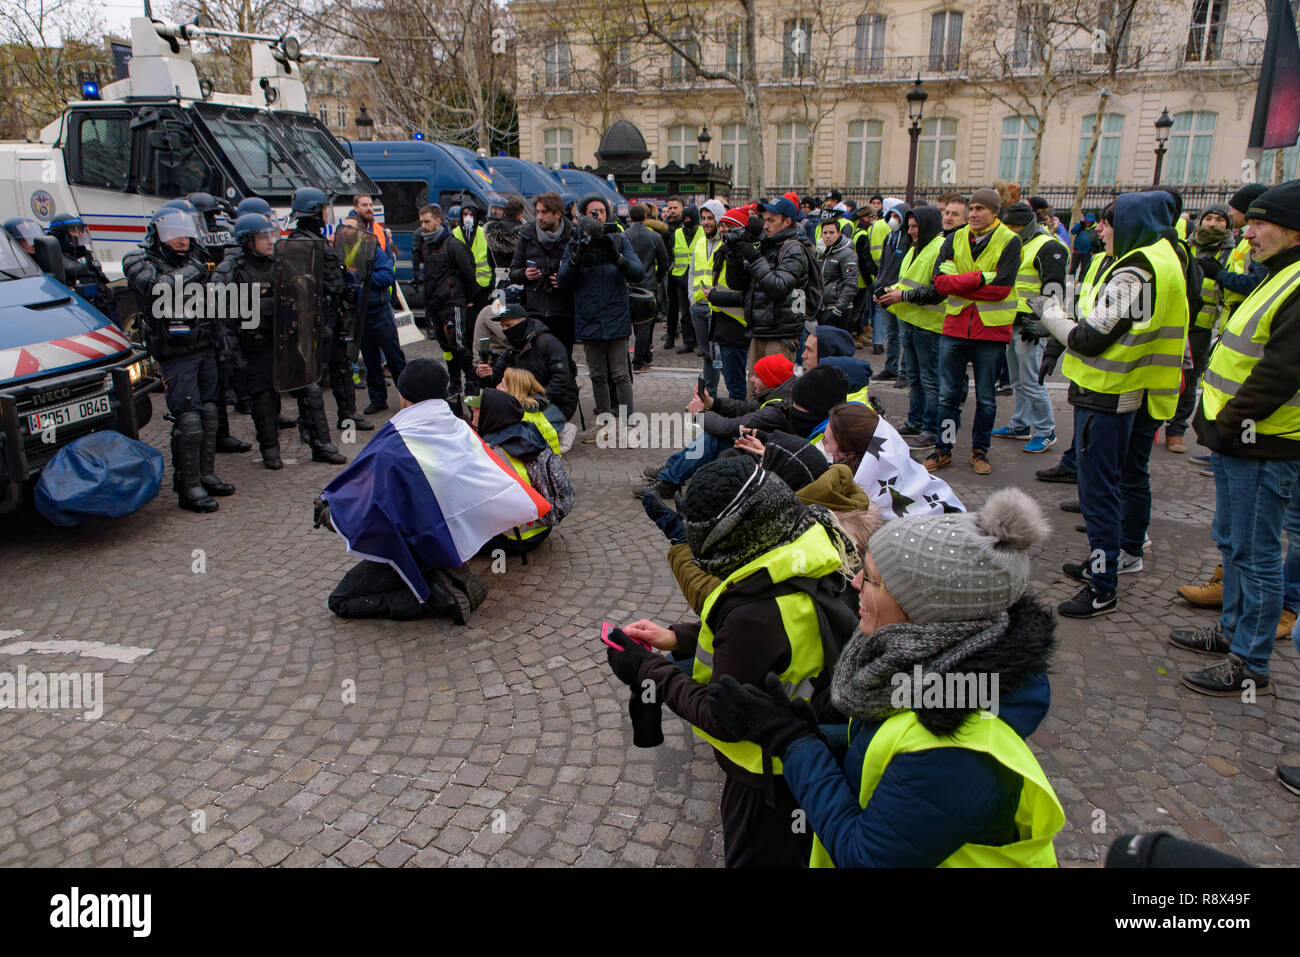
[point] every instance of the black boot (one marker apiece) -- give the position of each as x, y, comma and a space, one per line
208, 453
264, 413
311, 410
186, 446
225, 441
282, 421
346, 400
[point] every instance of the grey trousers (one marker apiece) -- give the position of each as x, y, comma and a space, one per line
607, 362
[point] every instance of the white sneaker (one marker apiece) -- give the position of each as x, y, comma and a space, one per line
1129, 563
567, 435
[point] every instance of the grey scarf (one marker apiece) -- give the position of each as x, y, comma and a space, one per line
864, 684
548, 237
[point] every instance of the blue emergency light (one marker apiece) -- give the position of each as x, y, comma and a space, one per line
89, 87
417, 136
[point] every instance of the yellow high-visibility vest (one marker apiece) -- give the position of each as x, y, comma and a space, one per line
1028, 281
478, 249
916, 271
1242, 345
522, 532
1238, 262
1001, 312
1150, 355
682, 251
1039, 815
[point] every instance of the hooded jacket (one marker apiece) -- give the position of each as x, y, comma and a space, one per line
835, 348
447, 271
769, 283
598, 273
896, 244
928, 803
502, 236
839, 276
534, 348
501, 423
651, 252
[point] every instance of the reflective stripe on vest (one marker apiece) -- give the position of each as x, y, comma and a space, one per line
1242, 345
1239, 262
1001, 312
545, 427
1039, 815
918, 270
521, 533
1211, 294
479, 250
682, 252
702, 263
1028, 281
1150, 355
811, 555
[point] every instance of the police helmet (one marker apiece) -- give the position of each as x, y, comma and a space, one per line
254, 204
24, 230
309, 201
174, 222
210, 208
66, 223
453, 214
250, 225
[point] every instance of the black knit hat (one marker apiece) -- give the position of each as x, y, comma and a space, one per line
820, 388
1018, 214
794, 459
1279, 205
422, 379
715, 486
1243, 197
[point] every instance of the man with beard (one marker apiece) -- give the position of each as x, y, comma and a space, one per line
536, 267
447, 273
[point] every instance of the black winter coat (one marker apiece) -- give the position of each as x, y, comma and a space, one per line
541, 299
252, 349
448, 271
533, 348
180, 338
769, 283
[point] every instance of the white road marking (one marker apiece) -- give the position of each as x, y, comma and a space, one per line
124, 654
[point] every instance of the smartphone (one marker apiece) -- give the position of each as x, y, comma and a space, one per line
606, 628
485, 350
701, 389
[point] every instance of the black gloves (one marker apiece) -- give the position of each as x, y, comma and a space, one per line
1048, 365
321, 514
1026, 335
626, 664
767, 718
669, 522
1210, 267
750, 251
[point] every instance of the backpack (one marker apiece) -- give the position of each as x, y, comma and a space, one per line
549, 480
814, 291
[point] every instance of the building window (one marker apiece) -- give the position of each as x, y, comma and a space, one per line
791, 154
869, 43
623, 72
945, 40
733, 48
796, 42
1206, 35
1105, 164
1016, 162
324, 113
1031, 24
864, 153
342, 114
678, 69
682, 146
936, 150
735, 151
559, 63
1268, 162
557, 146
1111, 20
1190, 143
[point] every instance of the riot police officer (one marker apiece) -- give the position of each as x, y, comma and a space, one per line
252, 344
312, 211
216, 215
24, 232
80, 266
185, 347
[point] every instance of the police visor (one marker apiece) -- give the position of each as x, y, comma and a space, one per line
177, 224
27, 231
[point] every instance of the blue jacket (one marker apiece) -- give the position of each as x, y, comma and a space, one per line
835, 348
601, 310
927, 804
381, 277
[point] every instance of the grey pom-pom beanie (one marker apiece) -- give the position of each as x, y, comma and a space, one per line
961, 566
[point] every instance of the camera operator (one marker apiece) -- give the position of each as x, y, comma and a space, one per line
536, 267
775, 267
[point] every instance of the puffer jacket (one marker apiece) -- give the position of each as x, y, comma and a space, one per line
599, 274
839, 276
533, 348
769, 283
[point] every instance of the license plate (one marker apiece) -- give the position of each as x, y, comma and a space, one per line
78, 411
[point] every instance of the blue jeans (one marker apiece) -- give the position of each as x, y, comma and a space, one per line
732, 371
701, 450
1113, 450
921, 354
1291, 570
884, 332
1251, 497
379, 334
1070, 460
985, 356
1033, 405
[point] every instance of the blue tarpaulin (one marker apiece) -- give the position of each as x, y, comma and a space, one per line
104, 473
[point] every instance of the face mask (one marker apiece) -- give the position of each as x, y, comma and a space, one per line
893, 224
515, 334
468, 222
821, 245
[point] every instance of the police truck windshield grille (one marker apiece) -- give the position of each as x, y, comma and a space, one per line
277, 153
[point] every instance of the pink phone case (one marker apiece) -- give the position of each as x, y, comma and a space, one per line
606, 628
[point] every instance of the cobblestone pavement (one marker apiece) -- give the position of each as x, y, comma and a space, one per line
235, 741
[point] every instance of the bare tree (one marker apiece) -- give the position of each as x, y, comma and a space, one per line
44, 45
681, 25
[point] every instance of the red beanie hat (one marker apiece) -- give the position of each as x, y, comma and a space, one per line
793, 197
773, 370
739, 216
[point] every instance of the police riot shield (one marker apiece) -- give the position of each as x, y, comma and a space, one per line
299, 312
356, 248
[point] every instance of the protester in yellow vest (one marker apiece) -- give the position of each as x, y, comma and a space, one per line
943, 680
1250, 418
477, 245
921, 325
745, 526
1124, 361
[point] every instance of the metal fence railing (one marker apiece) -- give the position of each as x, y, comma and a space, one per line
1060, 197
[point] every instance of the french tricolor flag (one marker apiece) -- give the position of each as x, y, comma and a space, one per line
425, 492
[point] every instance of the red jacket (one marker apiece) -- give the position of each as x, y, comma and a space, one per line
967, 323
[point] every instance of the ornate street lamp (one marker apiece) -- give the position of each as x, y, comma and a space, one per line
1163, 126
916, 98
365, 126
704, 139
